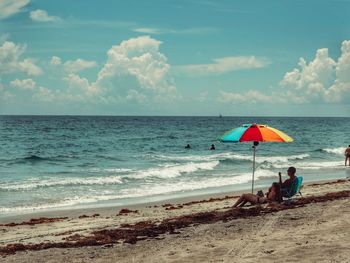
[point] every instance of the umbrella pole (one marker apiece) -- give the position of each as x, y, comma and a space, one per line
254, 153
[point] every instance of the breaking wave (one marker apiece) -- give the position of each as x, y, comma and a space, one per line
337, 150
53, 182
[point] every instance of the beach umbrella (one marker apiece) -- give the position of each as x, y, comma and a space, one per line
255, 133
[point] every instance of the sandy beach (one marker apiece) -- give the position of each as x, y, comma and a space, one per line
137, 131
312, 228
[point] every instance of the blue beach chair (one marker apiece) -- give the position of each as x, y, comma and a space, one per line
294, 188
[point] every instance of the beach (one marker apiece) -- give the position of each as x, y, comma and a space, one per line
95, 189
139, 131
311, 228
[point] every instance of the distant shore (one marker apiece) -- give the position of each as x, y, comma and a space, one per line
204, 227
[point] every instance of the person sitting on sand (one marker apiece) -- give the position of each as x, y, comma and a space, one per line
347, 155
286, 185
271, 196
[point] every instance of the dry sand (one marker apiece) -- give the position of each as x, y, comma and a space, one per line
313, 228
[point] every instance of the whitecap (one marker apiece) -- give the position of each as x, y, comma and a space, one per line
281, 159
212, 182
321, 165
52, 182
337, 150
111, 170
173, 170
76, 200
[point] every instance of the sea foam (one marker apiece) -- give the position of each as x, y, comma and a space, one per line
53, 182
337, 150
173, 170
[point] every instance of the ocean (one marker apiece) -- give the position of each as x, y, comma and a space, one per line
65, 162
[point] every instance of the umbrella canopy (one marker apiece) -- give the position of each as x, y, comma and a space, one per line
256, 133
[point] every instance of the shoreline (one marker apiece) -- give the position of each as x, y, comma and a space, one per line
104, 210
163, 231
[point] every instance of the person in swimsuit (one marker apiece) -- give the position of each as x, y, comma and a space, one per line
287, 184
347, 155
271, 196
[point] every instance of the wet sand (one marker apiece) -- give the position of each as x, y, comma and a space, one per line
312, 228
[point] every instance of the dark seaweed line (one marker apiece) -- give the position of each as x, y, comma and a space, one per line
148, 229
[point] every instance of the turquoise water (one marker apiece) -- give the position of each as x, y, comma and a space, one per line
63, 162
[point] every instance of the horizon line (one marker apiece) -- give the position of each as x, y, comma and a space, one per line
217, 116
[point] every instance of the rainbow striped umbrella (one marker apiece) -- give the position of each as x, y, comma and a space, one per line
255, 133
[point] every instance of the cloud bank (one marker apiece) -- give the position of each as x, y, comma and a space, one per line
42, 16
322, 80
11, 7
135, 72
224, 65
10, 61
75, 66
140, 59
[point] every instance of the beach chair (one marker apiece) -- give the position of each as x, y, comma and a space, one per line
294, 189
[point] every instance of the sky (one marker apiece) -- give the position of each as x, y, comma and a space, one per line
167, 57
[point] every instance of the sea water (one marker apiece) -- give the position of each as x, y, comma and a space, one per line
59, 162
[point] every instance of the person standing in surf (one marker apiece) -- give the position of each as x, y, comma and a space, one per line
347, 155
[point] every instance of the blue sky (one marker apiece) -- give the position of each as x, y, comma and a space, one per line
237, 58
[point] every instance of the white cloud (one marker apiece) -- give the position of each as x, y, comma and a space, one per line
318, 71
55, 61
192, 31
44, 94
11, 7
150, 30
75, 82
223, 65
28, 66
27, 89
79, 89
10, 60
137, 59
322, 79
42, 16
134, 95
251, 96
78, 65
135, 71
25, 84
9, 56
343, 64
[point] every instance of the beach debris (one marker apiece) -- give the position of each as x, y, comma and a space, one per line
174, 207
74, 237
125, 211
210, 200
86, 216
340, 181
132, 233
35, 221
